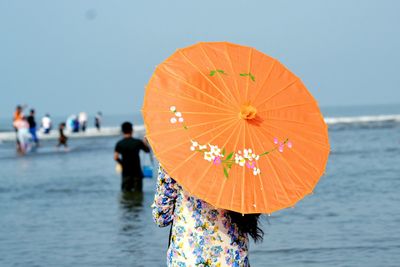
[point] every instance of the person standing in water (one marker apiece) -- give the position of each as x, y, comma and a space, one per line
75, 125
62, 139
17, 116
97, 120
126, 153
83, 121
46, 124
69, 125
22, 127
32, 127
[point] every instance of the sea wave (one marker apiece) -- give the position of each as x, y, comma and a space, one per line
363, 119
363, 122
335, 123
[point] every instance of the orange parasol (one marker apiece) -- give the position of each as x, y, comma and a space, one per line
235, 127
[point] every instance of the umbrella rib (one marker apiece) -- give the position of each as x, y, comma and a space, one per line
177, 77
194, 100
220, 76
205, 198
244, 170
233, 71
273, 189
306, 162
294, 151
275, 193
188, 112
195, 152
248, 71
279, 91
279, 181
190, 126
315, 142
203, 133
193, 65
294, 121
234, 184
259, 176
287, 106
227, 140
223, 183
266, 79
305, 184
315, 168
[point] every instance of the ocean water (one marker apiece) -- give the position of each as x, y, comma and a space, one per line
65, 209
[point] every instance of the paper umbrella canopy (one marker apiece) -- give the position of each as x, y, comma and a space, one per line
235, 128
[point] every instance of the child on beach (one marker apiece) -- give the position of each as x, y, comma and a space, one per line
62, 139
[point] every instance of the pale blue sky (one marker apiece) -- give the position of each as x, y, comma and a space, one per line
66, 56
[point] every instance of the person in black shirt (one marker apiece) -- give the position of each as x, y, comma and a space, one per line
127, 154
32, 127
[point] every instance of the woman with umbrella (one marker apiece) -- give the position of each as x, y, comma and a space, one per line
202, 234
241, 136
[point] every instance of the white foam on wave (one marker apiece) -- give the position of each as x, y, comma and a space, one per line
363, 119
89, 133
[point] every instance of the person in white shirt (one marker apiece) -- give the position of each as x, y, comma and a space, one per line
46, 124
83, 120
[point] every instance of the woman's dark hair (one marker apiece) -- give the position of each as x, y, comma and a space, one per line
247, 224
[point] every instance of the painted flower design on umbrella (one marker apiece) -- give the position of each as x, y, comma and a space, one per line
249, 159
281, 145
177, 117
217, 156
214, 154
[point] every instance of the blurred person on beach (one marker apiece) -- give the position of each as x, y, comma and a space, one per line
62, 139
126, 153
83, 121
32, 127
18, 113
97, 120
201, 235
22, 127
17, 116
75, 125
69, 125
46, 124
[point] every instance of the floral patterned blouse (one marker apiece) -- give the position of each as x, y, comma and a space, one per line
201, 234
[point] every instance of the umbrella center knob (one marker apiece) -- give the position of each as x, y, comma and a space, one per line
247, 112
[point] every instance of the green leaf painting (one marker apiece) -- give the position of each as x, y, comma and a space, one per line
221, 71
226, 173
229, 156
213, 72
252, 77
